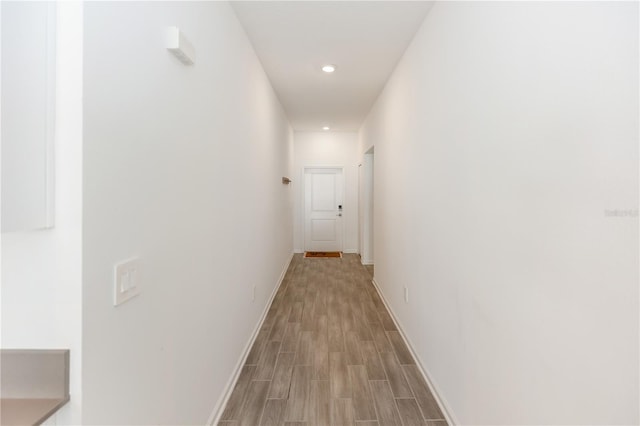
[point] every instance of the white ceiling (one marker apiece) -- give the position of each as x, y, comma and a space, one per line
365, 39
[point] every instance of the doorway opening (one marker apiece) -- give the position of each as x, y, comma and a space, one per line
365, 207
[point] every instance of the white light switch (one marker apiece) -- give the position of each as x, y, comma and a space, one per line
126, 281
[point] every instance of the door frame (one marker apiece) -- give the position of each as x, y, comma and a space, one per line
365, 207
304, 207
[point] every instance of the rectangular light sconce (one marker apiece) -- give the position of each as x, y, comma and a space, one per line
178, 44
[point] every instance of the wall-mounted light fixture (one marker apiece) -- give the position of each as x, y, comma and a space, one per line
178, 44
286, 180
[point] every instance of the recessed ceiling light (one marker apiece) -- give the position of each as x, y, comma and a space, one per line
326, 128
329, 68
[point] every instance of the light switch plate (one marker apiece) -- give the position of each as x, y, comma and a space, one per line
126, 283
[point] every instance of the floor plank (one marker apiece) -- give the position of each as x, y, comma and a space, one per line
280, 325
372, 362
380, 337
404, 356
308, 314
363, 408
298, 402
321, 365
254, 403
386, 320
352, 343
424, 398
336, 338
305, 351
339, 375
341, 412
273, 414
370, 312
267, 363
258, 345
395, 374
385, 404
291, 337
234, 405
296, 312
319, 404
282, 376
409, 412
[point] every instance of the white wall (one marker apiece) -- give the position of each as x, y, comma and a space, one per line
182, 168
327, 149
41, 270
501, 139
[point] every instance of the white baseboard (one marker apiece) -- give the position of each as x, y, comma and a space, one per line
366, 262
446, 409
214, 418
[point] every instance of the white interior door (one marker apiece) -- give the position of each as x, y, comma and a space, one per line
323, 192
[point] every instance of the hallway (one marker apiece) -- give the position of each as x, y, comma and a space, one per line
329, 353
165, 162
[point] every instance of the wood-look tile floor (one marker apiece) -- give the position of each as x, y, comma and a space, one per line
327, 354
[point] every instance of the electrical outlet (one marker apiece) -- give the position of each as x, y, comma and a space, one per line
126, 281
406, 294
